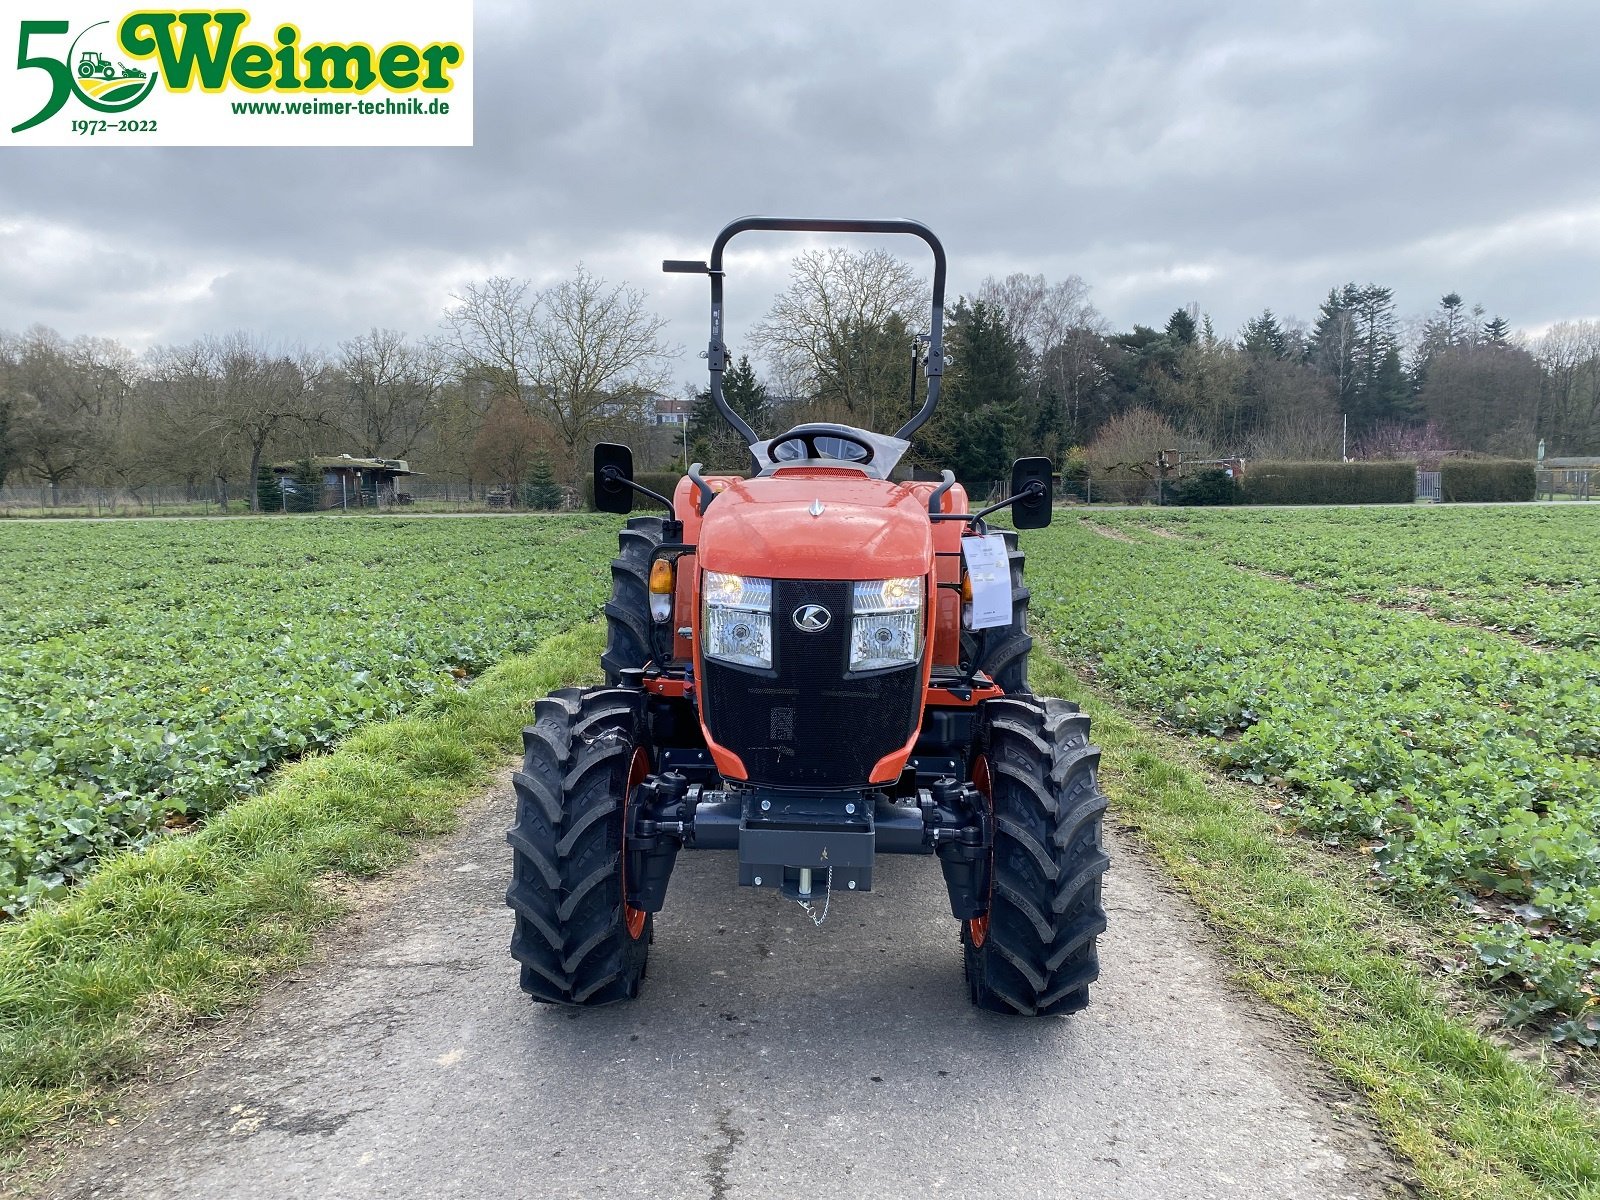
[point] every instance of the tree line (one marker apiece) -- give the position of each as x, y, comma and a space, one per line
519, 381
1032, 367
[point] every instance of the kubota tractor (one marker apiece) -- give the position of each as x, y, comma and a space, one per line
812, 666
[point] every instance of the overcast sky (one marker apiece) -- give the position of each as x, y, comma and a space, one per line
1236, 155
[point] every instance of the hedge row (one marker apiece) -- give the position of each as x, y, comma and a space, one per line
1483, 480
1329, 483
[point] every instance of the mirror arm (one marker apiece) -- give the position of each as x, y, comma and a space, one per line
706, 494
947, 482
1034, 488
612, 475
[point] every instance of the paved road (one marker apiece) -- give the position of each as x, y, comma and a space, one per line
766, 1058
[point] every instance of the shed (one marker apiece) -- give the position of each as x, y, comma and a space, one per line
1577, 476
349, 482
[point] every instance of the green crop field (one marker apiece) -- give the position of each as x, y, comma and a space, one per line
1464, 759
1422, 686
153, 671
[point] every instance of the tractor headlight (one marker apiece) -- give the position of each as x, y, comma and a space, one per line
736, 618
886, 624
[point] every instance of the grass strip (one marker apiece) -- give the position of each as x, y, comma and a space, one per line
1307, 933
189, 927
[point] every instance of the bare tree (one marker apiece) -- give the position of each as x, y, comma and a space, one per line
490, 334
582, 356
1123, 454
1569, 352
237, 393
600, 356
58, 396
390, 391
842, 331
1065, 334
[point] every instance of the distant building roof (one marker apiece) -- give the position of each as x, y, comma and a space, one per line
335, 462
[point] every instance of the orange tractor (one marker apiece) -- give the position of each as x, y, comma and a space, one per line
811, 666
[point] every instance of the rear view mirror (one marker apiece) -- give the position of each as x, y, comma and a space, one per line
1030, 484
613, 476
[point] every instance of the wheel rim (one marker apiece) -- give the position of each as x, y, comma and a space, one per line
632, 918
978, 927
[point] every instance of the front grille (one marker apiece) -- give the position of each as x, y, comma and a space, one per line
804, 724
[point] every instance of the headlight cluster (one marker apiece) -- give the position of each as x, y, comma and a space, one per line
886, 618
736, 618
886, 624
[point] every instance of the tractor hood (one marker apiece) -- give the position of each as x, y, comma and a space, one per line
817, 523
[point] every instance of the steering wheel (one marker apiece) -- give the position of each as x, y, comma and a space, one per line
820, 442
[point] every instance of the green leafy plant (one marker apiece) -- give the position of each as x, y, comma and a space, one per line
154, 673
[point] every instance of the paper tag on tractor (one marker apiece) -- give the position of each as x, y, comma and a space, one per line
989, 570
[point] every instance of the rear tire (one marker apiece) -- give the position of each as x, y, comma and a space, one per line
1035, 953
1002, 652
576, 939
628, 623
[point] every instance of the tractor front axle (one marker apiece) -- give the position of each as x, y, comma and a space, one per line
806, 843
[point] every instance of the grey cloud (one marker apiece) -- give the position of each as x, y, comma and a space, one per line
1237, 155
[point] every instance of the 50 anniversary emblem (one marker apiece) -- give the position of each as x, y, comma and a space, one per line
395, 74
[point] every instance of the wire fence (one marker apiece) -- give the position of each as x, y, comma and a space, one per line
177, 500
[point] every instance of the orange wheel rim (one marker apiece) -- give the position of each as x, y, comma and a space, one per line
978, 927
632, 918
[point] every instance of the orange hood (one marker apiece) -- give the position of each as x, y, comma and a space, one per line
867, 529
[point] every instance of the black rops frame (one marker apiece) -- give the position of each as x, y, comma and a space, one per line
717, 351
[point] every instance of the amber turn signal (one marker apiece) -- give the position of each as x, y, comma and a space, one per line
661, 577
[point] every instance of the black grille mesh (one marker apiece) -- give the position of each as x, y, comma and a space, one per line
810, 726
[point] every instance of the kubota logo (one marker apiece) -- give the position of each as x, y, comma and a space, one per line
270, 70
812, 618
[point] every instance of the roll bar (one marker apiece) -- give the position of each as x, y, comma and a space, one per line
717, 351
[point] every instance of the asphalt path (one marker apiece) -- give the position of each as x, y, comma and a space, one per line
766, 1058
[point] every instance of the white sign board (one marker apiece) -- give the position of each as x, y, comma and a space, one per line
989, 570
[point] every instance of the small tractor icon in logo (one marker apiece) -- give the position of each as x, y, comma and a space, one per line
94, 63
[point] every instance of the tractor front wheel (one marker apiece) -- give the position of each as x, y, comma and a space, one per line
1002, 652
628, 623
576, 937
1034, 952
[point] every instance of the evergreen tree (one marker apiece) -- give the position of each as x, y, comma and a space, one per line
269, 495
540, 490
307, 494
1497, 332
1450, 304
1392, 399
711, 439
1181, 328
1332, 349
1264, 337
1352, 343
982, 416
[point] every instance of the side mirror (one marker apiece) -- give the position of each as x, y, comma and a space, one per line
1030, 484
613, 476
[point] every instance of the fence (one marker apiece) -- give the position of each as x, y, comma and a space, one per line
177, 500
1430, 485
1577, 483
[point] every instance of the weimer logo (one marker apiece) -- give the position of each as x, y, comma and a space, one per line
226, 76
89, 72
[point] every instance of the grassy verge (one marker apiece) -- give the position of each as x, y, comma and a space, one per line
1307, 933
180, 932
